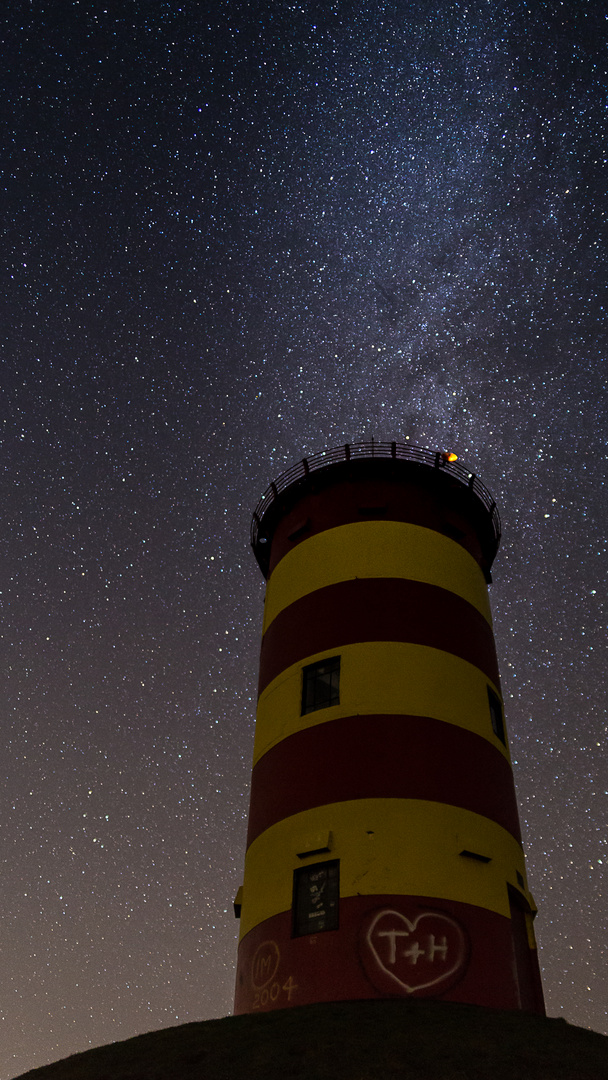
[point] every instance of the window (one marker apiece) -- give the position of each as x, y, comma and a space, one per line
316, 896
321, 685
498, 724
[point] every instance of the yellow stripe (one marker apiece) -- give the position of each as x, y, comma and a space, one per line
398, 846
369, 549
382, 677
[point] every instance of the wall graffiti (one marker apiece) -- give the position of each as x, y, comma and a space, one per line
266, 988
423, 954
265, 963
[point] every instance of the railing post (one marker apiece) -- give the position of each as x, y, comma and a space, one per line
273, 488
347, 451
305, 464
393, 449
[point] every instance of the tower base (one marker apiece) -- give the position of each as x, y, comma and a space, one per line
389, 946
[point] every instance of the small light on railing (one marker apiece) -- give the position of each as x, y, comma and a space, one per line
449, 455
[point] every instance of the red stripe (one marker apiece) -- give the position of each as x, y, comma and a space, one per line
401, 491
382, 757
377, 609
332, 966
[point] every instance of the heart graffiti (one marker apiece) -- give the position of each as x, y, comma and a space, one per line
422, 955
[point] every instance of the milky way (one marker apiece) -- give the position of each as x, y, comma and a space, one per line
232, 239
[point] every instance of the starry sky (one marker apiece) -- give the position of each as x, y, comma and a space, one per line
234, 234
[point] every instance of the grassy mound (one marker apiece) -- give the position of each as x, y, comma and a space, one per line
358, 1040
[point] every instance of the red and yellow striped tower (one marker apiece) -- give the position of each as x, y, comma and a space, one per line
384, 854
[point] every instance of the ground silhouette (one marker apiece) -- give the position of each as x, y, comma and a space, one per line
358, 1040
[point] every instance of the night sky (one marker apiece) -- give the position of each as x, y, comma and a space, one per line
235, 234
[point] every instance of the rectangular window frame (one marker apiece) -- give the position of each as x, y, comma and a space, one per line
497, 717
309, 916
314, 695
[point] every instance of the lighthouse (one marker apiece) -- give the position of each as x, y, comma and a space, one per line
384, 854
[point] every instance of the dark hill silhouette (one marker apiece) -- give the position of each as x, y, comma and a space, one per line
359, 1040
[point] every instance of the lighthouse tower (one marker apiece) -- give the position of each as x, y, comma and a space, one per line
384, 854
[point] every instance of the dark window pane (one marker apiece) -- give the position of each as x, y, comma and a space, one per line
316, 896
498, 724
321, 685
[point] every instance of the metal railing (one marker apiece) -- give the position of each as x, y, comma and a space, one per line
434, 459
